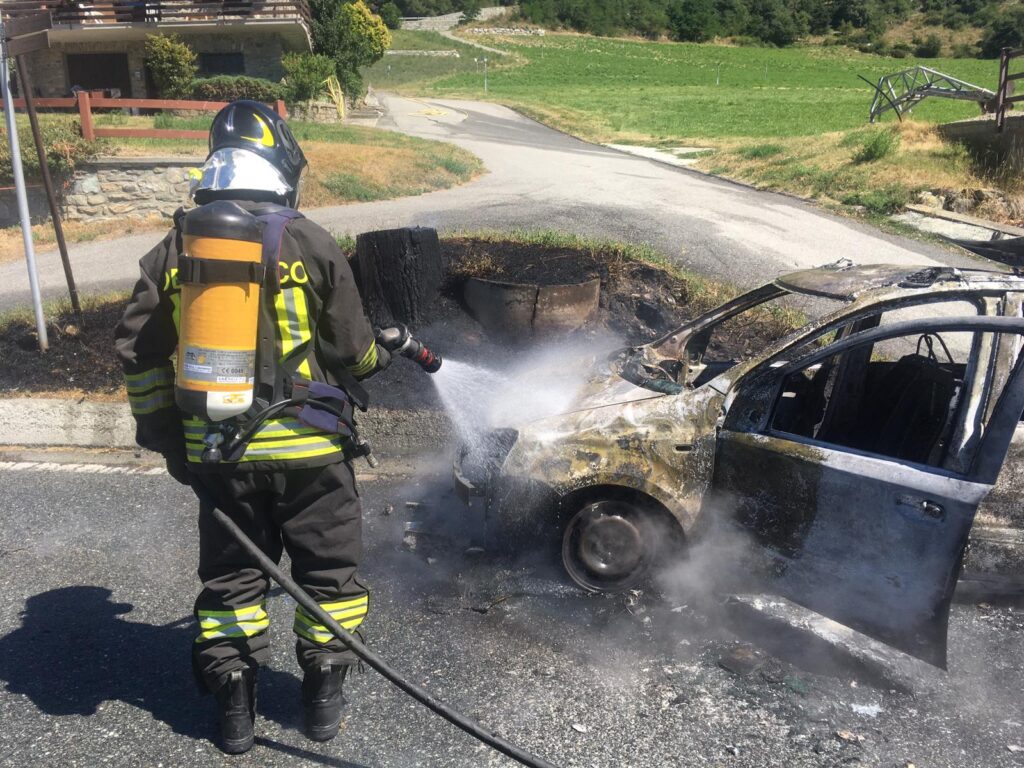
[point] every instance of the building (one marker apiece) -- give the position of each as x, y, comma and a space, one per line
101, 45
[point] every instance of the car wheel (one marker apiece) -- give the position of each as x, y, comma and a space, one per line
609, 546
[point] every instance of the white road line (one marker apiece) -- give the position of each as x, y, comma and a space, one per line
84, 469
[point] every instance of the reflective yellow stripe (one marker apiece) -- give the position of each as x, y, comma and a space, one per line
293, 326
241, 622
331, 607
348, 613
367, 365
286, 451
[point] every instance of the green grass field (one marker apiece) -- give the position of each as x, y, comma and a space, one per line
396, 72
609, 89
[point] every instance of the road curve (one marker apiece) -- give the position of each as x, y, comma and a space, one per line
540, 178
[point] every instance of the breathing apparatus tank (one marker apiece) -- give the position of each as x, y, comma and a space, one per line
220, 275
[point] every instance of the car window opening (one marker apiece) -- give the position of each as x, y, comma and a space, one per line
864, 400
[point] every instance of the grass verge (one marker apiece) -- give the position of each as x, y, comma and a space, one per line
348, 164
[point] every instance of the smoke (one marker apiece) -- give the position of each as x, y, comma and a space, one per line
503, 392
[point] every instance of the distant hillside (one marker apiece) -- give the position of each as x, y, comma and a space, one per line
921, 28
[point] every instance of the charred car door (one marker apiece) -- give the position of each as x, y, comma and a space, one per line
838, 465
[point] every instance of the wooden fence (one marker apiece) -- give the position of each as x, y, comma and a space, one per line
1004, 95
85, 103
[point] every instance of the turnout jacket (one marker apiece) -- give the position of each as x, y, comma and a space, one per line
320, 331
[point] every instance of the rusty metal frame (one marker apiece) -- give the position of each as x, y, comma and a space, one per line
1004, 94
901, 91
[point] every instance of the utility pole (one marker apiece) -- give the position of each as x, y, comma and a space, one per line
19, 188
51, 196
485, 75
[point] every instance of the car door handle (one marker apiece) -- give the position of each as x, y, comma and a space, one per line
926, 507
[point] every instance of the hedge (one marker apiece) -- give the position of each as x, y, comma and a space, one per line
231, 88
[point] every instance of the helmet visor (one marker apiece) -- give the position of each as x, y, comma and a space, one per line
239, 169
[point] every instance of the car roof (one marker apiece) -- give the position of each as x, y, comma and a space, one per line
845, 281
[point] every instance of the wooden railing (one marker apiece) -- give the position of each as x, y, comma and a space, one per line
85, 103
81, 13
1004, 95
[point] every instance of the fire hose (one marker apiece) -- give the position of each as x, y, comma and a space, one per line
423, 696
403, 344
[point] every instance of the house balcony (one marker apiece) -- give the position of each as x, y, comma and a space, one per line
77, 21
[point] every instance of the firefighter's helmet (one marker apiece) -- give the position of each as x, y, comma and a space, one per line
253, 154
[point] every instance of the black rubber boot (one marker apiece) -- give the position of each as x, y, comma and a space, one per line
236, 699
322, 701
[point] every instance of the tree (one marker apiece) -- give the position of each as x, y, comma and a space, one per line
352, 35
692, 20
391, 15
470, 11
1007, 31
172, 64
773, 22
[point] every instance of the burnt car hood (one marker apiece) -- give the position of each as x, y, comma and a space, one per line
600, 388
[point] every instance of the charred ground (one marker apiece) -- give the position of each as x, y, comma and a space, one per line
642, 297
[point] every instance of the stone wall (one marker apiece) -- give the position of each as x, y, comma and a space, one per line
315, 112
262, 52
120, 187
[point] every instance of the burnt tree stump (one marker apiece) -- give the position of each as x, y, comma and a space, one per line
400, 272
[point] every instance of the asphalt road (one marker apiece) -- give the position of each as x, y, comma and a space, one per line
97, 578
542, 179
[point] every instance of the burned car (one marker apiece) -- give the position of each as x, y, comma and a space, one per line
855, 450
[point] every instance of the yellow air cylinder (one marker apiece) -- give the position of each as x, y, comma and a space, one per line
220, 299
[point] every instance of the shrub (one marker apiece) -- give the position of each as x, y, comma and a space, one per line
881, 144
62, 139
172, 64
231, 88
881, 200
929, 48
306, 74
391, 15
470, 11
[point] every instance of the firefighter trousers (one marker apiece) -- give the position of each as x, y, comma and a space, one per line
312, 514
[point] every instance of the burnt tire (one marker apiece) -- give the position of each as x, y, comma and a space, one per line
610, 546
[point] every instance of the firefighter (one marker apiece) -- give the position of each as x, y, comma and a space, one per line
290, 487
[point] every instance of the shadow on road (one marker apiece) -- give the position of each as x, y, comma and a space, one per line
74, 651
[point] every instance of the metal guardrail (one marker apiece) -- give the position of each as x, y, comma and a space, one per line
82, 13
1004, 94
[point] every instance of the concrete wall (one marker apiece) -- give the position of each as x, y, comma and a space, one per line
1003, 151
262, 52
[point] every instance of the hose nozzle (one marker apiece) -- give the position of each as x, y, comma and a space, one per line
398, 340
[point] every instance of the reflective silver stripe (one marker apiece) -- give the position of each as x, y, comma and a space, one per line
161, 398
142, 381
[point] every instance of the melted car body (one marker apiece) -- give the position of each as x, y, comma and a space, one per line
854, 451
